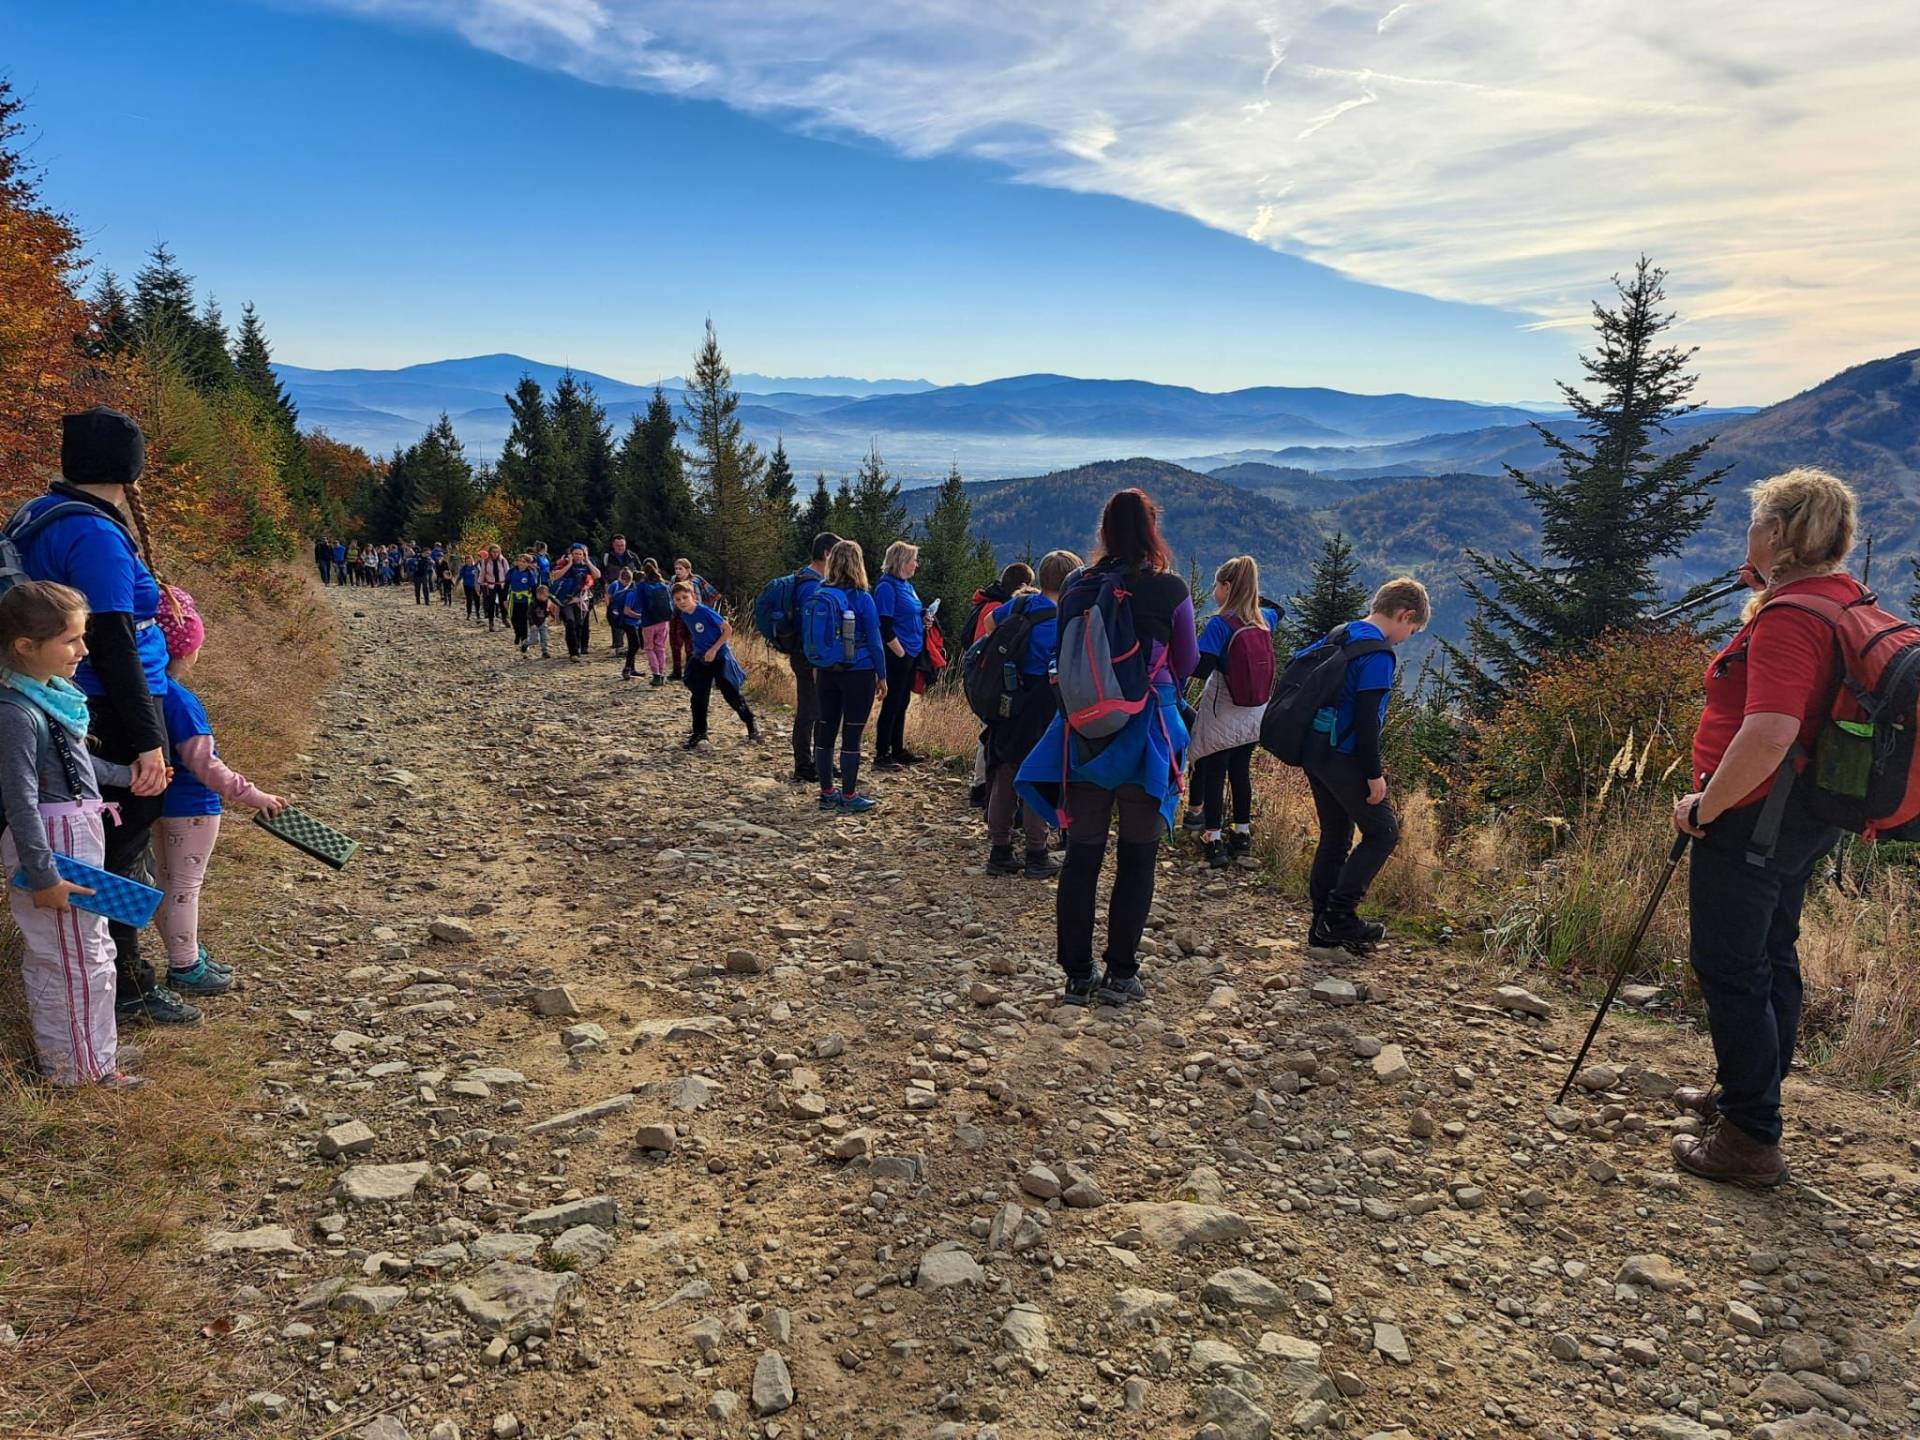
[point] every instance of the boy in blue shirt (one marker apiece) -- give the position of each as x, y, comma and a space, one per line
470, 587
1344, 772
710, 662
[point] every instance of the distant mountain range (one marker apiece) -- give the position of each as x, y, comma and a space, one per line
1000, 427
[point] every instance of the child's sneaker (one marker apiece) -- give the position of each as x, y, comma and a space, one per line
1079, 992
1217, 854
977, 797
1040, 865
159, 1006
120, 1080
659, 680
1000, 861
1239, 843
857, 804
1120, 990
199, 979
829, 800
695, 742
212, 964
1194, 822
906, 757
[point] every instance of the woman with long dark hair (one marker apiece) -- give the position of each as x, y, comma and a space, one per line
1135, 771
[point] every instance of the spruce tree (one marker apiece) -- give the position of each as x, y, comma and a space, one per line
444, 495
209, 364
739, 541
782, 509
526, 464
113, 319
876, 513
818, 515
1333, 596
1614, 509
253, 366
840, 518
653, 503
583, 464
952, 563
390, 509
165, 322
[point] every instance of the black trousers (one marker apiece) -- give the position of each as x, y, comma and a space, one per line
1745, 928
519, 616
491, 603
127, 843
423, 589
702, 678
473, 602
1342, 871
631, 634
446, 592
892, 736
1090, 811
1211, 776
574, 620
806, 716
325, 566
845, 700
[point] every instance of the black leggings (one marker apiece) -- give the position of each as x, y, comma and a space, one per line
701, 680
473, 602
632, 634
1089, 815
891, 738
1343, 871
845, 699
574, 620
519, 616
423, 589
1211, 775
127, 843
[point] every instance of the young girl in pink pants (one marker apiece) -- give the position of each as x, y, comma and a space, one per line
189, 823
50, 790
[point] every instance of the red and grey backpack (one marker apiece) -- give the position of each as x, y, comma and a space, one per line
1249, 664
1865, 766
1100, 666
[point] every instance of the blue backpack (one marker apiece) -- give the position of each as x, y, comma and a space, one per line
827, 629
774, 612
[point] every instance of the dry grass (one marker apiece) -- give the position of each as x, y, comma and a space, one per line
1860, 956
99, 1191
939, 722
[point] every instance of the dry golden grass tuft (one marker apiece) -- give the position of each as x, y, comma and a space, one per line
939, 723
1860, 957
99, 1191
1286, 832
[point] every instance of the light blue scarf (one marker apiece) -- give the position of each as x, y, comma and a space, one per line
61, 699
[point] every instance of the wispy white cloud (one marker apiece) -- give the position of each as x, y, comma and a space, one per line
1511, 152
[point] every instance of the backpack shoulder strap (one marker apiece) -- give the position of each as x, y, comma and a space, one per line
42, 730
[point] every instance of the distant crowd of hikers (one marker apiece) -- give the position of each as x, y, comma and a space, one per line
1103, 700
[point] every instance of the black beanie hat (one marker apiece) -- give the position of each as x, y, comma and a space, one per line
101, 447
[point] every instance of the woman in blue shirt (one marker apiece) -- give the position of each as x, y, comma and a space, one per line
76, 535
710, 663
845, 692
904, 631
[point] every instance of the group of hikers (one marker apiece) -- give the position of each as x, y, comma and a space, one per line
1084, 673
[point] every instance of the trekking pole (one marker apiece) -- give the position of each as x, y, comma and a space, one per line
1719, 592
1626, 961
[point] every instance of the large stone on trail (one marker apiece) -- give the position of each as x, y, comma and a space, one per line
262, 1240
1805, 1427
352, 1138
1237, 1416
1391, 1064
1652, 1272
1023, 1330
1179, 1225
555, 1002
945, 1266
1391, 1342
584, 1245
1521, 1001
450, 931
598, 1110
1136, 1306
1674, 1427
367, 1299
1242, 1289
772, 1384
367, 1184
598, 1210
1335, 991
686, 1027
387, 1427
747, 962
515, 1301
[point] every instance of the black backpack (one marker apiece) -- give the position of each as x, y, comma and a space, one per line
990, 669
1310, 683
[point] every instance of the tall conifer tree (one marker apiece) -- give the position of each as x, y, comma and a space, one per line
655, 506
1333, 595
952, 563
526, 465
877, 515
739, 541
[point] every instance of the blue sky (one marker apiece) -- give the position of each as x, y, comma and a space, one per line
941, 190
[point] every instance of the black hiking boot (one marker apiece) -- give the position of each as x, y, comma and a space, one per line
977, 797
1040, 865
1079, 992
1120, 990
1335, 934
805, 775
1217, 858
1000, 861
1239, 843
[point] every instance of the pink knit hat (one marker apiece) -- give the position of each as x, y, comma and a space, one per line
180, 622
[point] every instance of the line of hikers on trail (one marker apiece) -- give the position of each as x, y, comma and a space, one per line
1081, 674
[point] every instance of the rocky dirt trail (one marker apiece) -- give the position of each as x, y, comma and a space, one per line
615, 1091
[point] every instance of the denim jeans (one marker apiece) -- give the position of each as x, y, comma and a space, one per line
1745, 922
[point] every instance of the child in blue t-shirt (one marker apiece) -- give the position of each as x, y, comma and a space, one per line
470, 587
1345, 774
1224, 732
710, 662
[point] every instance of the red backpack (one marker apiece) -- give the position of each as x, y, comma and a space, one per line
1865, 766
1249, 664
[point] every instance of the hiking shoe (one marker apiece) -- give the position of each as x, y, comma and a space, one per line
213, 964
120, 1080
907, 757
1120, 990
753, 733
1325, 944
1000, 861
857, 804
1040, 866
1194, 822
659, 680
1239, 842
676, 675
1702, 1100
1079, 992
159, 1006
695, 742
1217, 855
805, 775
1728, 1154
977, 797
829, 800
885, 762
199, 979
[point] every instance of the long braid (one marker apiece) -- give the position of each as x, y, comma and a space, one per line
136, 507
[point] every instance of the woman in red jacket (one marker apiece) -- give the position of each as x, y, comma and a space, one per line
1767, 692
